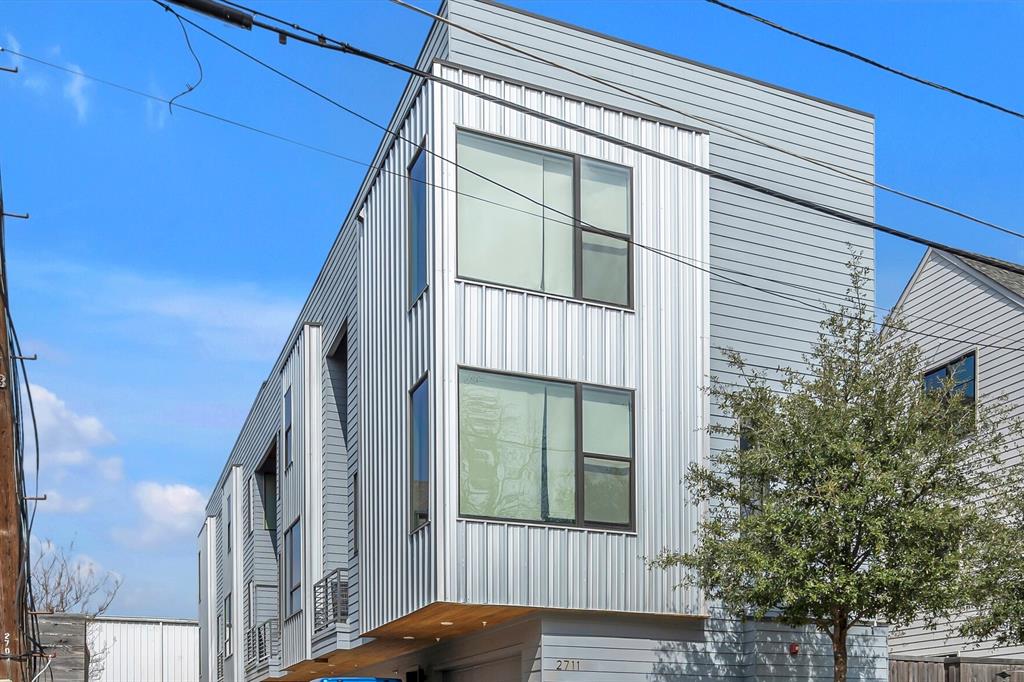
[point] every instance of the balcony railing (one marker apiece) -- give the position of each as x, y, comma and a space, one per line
220, 666
262, 643
330, 601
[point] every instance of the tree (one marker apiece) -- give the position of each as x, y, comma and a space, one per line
853, 494
65, 583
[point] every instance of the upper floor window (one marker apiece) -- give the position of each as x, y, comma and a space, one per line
227, 511
419, 453
958, 377
417, 225
544, 220
547, 451
293, 569
288, 454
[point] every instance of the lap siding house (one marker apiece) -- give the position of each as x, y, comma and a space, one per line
477, 430
972, 314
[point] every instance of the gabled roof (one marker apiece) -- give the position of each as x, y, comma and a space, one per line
1011, 278
1007, 280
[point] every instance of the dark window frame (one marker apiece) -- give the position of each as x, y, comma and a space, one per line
289, 451
579, 228
580, 455
414, 295
228, 647
416, 523
292, 582
947, 368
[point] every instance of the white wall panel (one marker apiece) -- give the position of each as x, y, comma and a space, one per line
144, 650
658, 349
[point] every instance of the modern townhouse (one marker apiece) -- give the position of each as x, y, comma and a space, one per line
972, 316
475, 435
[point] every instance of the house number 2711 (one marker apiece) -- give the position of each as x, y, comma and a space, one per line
567, 664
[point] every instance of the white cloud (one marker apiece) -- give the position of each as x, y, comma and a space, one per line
156, 112
58, 503
75, 91
111, 468
13, 44
236, 321
168, 511
66, 438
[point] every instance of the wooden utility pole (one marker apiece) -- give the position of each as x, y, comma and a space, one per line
12, 593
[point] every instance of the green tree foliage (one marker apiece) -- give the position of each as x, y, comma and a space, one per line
856, 495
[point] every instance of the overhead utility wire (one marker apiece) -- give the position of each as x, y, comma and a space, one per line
455, 191
868, 60
712, 173
727, 130
472, 91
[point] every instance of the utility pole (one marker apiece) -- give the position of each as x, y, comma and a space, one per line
13, 648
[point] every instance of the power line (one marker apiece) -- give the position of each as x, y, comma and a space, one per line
794, 301
868, 60
726, 130
718, 175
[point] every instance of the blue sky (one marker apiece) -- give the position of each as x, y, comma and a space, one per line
167, 255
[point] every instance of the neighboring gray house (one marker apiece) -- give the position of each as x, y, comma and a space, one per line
476, 431
973, 314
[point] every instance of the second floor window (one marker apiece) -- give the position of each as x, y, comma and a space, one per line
288, 454
419, 453
545, 451
293, 569
544, 220
958, 377
227, 625
227, 536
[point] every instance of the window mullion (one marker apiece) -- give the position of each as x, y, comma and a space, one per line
579, 455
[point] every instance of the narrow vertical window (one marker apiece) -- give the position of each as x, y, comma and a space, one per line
417, 226
228, 512
293, 569
355, 514
288, 428
227, 625
419, 450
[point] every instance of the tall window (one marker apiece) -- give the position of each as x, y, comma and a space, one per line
546, 451
288, 454
228, 517
355, 515
419, 453
417, 226
564, 228
293, 568
227, 625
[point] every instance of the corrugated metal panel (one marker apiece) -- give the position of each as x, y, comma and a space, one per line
658, 349
396, 350
144, 650
946, 298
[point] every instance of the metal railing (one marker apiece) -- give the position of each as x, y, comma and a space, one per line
262, 643
330, 601
220, 666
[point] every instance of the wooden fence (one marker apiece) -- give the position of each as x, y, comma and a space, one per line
956, 669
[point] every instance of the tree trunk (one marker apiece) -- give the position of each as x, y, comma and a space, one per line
839, 662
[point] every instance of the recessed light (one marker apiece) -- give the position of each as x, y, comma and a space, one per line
408, 637
447, 622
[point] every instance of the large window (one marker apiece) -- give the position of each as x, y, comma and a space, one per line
545, 451
419, 453
288, 454
293, 568
417, 226
542, 220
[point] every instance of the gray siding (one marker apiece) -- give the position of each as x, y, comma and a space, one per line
947, 298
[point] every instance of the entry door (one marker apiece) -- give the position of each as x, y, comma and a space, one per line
505, 670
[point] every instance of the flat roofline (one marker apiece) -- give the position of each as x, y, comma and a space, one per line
676, 57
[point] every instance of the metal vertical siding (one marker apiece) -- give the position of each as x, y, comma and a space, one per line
395, 342
145, 650
946, 298
658, 349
